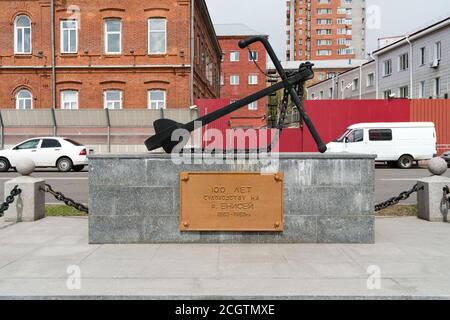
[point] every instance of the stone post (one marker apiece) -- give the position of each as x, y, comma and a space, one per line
430, 198
29, 205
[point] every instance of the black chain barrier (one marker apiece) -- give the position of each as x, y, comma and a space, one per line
9, 199
402, 196
67, 201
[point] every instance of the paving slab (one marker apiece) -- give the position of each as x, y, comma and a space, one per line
37, 260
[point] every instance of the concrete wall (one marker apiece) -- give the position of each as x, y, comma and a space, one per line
327, 199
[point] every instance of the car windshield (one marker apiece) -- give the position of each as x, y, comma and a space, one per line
73, 142
342, 137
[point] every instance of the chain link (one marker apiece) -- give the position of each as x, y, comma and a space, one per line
9, 199
401, 197
67, 201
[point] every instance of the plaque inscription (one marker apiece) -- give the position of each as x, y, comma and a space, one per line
231, 201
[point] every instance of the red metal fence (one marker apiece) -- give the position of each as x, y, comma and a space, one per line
332, 117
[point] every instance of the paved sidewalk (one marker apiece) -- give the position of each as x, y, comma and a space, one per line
413, 256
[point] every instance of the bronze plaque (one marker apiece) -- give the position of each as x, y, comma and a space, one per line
230, 201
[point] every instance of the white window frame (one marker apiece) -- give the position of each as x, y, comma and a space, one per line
16, 28
105, 101
369, 76
437, 87
384, 67
423, 52
150, 101
403, 62
252, 77
150, 31
18, 100
235, 83
253, 105
234, 56
62, 29
422, 89
437, 50
400, 95
106, 32
355, 87
73, 105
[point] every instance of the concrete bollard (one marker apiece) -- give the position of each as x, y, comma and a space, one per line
429, 200
29, 205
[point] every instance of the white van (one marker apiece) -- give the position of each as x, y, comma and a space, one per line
397, 143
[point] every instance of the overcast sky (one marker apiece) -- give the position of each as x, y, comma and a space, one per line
396, 17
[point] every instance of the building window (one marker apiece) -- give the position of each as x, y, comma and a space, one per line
321, 95
253, 105
22, 35
370, 79
156, 99
387, 70
404, 92
323, 52
222, 57
234, 80
113, 36
437, 87
157, 36
69, 36
24, 99
387, 94
222, 80
403, 62
234, 56
330, 93
253, 56
422, 89
113, 99
252, 79
422, 56
355, 84
69, 99
437, 51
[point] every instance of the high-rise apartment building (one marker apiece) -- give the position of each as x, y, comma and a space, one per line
325, 29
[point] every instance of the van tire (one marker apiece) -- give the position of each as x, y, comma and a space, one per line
405, 161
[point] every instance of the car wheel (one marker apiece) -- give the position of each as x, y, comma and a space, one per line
4, 165
405, 162
64, 164
78, 168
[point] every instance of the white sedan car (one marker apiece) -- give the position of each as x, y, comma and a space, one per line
62, 153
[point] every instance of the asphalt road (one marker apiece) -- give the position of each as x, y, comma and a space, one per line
389, 182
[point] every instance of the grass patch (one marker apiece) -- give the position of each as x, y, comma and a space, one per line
62, 211
398, 211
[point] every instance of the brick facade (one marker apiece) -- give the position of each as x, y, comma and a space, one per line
245, 117
90, 71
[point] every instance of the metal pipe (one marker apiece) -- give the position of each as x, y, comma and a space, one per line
410, 61
3, 131
360, 81
108, 121
52, 40
376, 73
192, 52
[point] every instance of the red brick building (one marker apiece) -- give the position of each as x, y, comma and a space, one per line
107, 53
240, 76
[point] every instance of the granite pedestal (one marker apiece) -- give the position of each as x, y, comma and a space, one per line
328, 198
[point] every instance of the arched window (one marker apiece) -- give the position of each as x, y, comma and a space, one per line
24, 99
22, 35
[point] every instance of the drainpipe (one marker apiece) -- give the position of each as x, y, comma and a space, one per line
376, 74
411, 95
360, 81
192, 51
52, 40
3, 131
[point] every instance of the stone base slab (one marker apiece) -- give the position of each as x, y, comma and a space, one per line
328, 198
